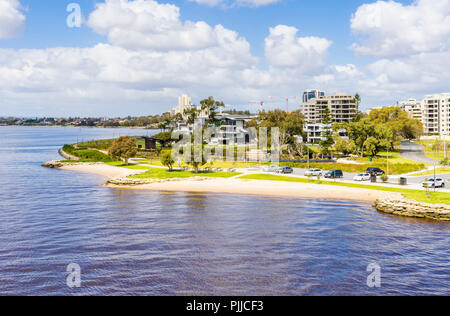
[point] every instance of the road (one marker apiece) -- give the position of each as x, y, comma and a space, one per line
415, 152
413, 182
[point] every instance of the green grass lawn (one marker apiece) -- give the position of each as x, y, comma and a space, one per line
155, 173
438, 153
394, 158
216, 164
121, 164
441, 170
418, 195
431, 197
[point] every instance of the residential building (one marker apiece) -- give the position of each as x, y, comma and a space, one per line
232, 129
314, 132
343, 108
312, 94
436, 114
184, 103
412, 107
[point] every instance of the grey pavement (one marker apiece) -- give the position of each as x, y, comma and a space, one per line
415, 152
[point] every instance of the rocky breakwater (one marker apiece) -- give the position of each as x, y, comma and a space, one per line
409, 208
133, 182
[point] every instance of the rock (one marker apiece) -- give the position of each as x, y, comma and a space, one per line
409, 208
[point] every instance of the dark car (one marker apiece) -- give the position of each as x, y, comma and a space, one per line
333, 174
285, 170
375, 171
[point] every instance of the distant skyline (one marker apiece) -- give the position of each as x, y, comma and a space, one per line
137, 57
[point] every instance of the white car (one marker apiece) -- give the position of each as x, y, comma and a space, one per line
313, 172
271, 168
434, 183
362, 177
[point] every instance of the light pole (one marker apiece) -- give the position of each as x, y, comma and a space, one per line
445, 148
387, 161
307, 146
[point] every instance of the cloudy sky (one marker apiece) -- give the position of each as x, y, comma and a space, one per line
136, 57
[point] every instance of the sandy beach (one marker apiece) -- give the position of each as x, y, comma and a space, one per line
107, 171
237, 186
268, 188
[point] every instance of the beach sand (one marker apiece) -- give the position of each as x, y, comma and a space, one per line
107, 171
237, 186
268, 188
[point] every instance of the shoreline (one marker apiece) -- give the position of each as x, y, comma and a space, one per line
233, 186
383, 201
262, 188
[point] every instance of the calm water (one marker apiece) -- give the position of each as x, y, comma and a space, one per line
148, 243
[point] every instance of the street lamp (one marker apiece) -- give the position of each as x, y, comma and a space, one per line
387, 161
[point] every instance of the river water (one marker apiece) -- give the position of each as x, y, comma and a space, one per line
157, 243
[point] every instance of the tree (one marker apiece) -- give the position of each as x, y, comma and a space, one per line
123, 148
167, 160
372, 145
344, 146
211, 107
290, 124
357, 99
327, 133
398, 120
360, 131
191, 114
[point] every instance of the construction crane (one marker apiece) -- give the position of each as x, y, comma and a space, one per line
284, 98
260, 102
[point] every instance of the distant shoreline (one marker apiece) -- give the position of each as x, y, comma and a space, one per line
101, 127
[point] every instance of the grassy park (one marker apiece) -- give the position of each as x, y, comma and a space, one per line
156, 173
417, 195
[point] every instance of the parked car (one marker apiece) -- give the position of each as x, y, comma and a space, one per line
285, 170
362, 177
313, 172
434, 183
334, 174
375, 171
271, 168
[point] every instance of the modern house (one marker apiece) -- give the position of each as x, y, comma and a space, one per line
148, 143
232, 129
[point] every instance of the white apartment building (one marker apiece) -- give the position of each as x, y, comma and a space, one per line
184, 103
436, 114
412, 107
343, 108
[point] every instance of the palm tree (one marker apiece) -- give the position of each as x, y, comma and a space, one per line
357, 99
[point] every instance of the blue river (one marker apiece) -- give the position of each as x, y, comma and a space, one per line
158, 243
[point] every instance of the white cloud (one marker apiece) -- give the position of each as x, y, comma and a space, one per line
11, 19
390, 29
284, 49
152, 57
149, 25
231, 3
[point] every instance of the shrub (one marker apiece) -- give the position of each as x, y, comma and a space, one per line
87, 155
167, 160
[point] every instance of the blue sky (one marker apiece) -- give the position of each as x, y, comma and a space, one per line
314, 44
46, 23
